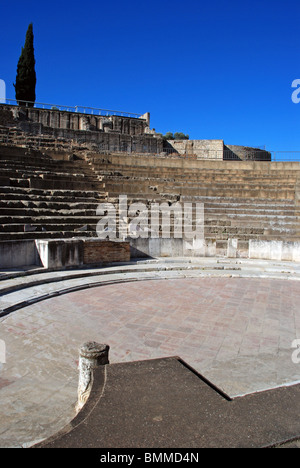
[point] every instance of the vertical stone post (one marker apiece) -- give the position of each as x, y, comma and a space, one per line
91, 355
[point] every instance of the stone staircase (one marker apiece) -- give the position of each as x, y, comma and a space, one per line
14, 136
241, 200
44, 197
55, 194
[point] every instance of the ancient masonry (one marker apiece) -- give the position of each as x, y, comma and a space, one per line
58, 166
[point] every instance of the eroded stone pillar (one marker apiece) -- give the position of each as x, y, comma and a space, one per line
91, 355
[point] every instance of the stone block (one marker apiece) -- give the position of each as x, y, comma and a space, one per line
15, 254
232, 246
194, 247
58, 253
288, 251
274, 250
171, 247
139, 248
154, 247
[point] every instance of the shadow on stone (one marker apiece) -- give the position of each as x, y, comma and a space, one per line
162, 403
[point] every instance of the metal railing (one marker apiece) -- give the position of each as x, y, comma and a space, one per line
285, 156
220, 155
76, 109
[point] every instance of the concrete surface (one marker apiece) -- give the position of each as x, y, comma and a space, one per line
162, 404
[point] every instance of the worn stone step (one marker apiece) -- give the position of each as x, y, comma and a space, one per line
48, 227
54, 211
45, 235
196, 177
48, 176
49, 169
71, 219
251, 217
19, 192
259, 209
236, 201
204, 172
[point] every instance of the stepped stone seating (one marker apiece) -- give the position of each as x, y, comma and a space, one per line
243, 201
43, 197
51, 194
15, 137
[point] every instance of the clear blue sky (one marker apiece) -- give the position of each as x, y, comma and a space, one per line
217, 69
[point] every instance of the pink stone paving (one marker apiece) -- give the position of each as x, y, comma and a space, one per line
236, 332
204, 321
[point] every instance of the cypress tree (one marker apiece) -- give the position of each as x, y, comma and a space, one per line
26, 77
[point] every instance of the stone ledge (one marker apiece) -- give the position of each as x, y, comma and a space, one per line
41, 285
61, 253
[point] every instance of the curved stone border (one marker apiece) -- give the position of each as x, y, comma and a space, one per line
158, 270
45, 285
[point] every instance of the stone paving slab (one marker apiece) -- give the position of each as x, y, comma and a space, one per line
236, 331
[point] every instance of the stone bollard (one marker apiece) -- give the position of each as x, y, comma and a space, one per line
91, 355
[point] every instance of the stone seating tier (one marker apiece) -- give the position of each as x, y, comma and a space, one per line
36, 170
234, 183
243, 201
57, 194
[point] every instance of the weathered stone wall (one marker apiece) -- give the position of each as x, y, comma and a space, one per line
164, 163
58, 253
108, 133
62, 253
216, 149
203, 149
118, 133
77, 121
232, 248
14, 254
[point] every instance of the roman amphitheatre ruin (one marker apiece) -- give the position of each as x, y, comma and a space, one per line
223, 308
